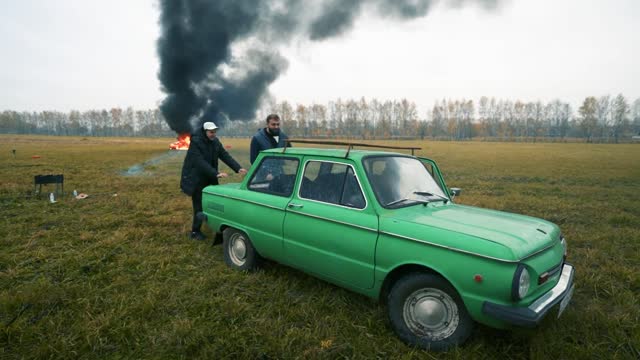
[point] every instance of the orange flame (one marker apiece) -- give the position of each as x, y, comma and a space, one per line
182, 144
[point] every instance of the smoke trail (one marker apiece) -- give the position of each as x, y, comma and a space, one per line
195, 41
239, 96
336, 17
218, 57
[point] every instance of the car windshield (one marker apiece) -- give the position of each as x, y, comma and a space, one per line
401, 181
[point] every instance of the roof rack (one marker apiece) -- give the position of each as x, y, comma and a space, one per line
349, 144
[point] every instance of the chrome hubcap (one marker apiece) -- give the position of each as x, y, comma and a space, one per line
238, 249
431, 313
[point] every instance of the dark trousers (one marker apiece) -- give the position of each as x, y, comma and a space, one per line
196, 201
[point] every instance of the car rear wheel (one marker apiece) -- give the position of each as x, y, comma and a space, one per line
426, 311
239, 253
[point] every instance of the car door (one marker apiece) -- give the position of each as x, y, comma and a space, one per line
329, 229
262, 212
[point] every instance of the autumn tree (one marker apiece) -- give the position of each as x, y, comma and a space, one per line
557, 115
603, 110
318, 120
364, 118
483, 116
635, 117
619, 116
588, 117
336, 117
437, 121
535, 119
301, 125
285, 111
386, 114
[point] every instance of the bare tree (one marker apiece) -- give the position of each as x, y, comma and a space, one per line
495, 116
588, 117
336, 117
318, 119
302, 128
557, 115
620, 116
364, 118
351, 118
551, 118
285, 111
467, 112
565, 117
375, 113
483, 116
408, 117
386, 114
535, 119
116, 121
603, 110
437, 121
450, 118
635, 117
507, 126
128, 122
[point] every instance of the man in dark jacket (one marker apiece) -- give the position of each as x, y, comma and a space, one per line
269, 137
200, 169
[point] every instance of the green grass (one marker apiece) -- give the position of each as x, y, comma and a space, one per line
115, 276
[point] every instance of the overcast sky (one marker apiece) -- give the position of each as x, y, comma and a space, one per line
89, 54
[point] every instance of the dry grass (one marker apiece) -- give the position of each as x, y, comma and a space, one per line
115, 277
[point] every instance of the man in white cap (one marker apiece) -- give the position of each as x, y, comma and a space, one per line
200, 169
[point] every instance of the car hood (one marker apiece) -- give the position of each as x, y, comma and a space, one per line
486, 232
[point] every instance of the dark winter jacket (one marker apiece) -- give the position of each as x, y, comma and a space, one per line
200, 166
263, 141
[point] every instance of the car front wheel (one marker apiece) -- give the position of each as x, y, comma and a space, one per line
426, 311
239, 253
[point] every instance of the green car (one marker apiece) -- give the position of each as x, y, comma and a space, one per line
384, 224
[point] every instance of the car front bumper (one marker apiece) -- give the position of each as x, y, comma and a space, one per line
530, 316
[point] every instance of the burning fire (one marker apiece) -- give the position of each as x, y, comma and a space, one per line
182, 144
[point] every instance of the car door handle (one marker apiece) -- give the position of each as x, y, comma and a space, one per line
295, 206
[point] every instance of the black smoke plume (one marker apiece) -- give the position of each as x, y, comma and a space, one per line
218, 57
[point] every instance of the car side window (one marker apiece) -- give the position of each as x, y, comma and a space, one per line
275, 175
332, 183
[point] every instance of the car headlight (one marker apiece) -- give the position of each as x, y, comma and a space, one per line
563, 241
521, 283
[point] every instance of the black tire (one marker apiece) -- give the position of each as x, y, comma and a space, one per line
426, 311
238, 250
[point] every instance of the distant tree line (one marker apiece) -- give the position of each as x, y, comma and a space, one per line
114, 122
598, 119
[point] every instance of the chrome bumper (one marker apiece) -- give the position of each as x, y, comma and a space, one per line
530, 316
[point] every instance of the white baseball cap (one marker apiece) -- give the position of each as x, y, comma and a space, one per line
209, 126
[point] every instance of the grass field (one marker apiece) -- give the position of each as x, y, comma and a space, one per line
114, 276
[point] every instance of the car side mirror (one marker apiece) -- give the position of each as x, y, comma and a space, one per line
455, 192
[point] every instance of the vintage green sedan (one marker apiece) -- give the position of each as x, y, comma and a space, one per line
384, 224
